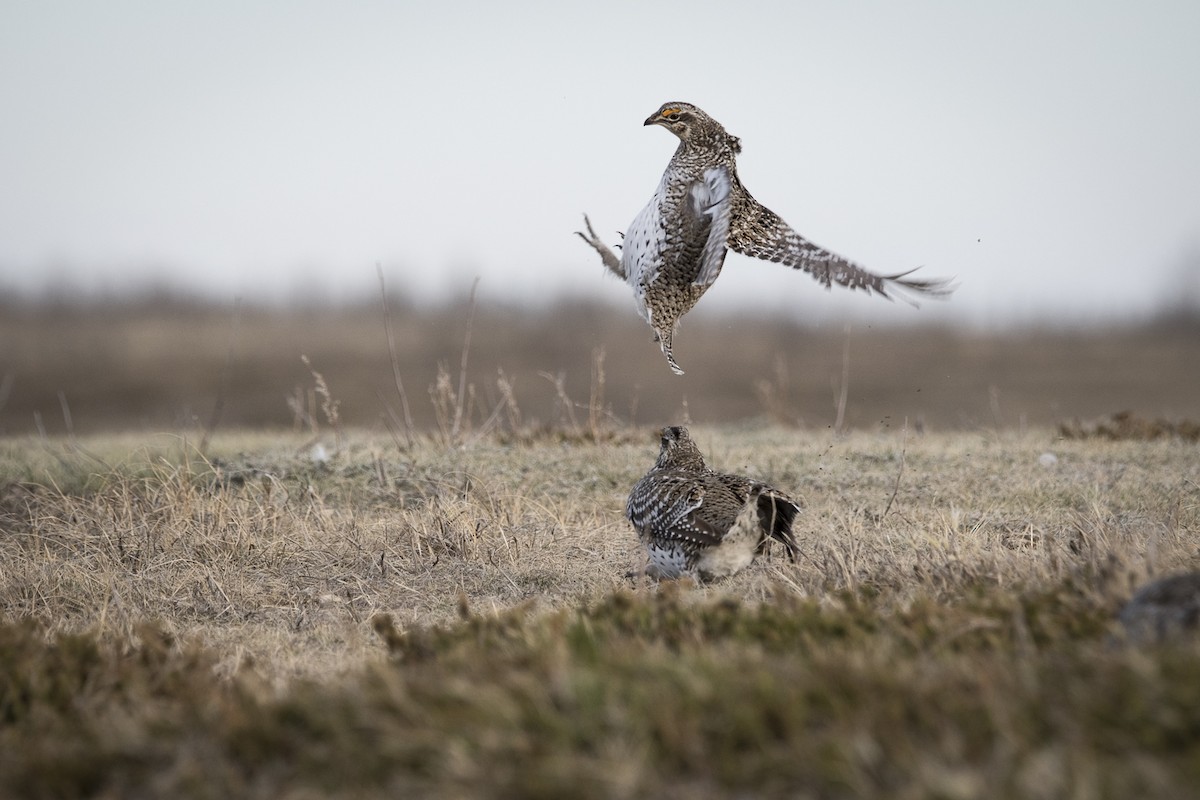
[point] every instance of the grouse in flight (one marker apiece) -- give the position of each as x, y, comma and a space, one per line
674, 249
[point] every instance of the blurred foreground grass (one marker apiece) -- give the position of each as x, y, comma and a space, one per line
996, 695
343, 616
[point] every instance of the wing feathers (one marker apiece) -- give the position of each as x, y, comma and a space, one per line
707, 214
758, 232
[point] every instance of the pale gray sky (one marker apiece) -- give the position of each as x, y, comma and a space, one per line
1046, 154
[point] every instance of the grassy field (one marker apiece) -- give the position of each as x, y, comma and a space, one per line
347, 613
361, 566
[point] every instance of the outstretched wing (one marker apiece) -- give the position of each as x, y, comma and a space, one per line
758, 232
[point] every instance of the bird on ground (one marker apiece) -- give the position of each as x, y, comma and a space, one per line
699, 523
674, 249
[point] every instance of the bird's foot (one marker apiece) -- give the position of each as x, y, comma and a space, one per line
610, 260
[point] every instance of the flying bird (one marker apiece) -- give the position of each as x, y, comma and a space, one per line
697, 522
675, 248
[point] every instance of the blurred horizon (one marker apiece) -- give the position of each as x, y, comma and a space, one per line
173, 364
824, 307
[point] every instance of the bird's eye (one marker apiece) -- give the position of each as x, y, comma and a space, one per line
672, 116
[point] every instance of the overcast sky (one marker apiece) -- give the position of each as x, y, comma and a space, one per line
1046, 154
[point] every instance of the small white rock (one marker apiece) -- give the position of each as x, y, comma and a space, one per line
1047, 460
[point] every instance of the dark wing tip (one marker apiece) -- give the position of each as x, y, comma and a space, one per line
932, 287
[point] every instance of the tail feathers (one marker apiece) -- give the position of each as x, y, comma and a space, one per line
776, 514
664, 337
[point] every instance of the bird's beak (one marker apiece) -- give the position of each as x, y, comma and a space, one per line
653, 119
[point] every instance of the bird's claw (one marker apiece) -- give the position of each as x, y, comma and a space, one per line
610, 261
590, 237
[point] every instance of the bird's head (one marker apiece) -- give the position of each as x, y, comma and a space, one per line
678, 451
691, 124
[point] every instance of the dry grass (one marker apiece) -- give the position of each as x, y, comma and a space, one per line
439, 597
290, 615
274, 537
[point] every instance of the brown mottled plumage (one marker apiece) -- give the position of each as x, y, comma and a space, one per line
675, 248
694, 521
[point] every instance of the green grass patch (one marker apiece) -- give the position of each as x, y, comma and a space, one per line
641, 693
